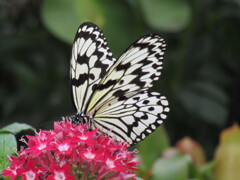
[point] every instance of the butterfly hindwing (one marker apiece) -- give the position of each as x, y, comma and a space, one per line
132, 118
134, 71
91, 59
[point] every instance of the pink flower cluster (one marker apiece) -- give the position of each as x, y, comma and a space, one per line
72, 152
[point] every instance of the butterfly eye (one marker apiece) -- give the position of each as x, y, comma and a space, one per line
78, 119
112, 94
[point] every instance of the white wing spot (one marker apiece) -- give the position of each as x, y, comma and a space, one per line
91, 49
167, 109
149, 131
164, 102
153, 126
159, 121
163, 116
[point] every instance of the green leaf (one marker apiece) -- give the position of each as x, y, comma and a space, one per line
215, 74
175, 167
3, 163
152, 147
8, 143
115, 18
204, 103
166, 15
62, 18
206, 171
16, 128
210, 90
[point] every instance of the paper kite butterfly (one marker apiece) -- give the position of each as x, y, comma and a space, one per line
112, 94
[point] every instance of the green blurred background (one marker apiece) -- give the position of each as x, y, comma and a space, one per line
201, 75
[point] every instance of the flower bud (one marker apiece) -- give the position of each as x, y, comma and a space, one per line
192, 148
227, 155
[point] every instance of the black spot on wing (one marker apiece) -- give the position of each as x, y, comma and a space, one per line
121, 81
123, 66
122, 98
153, 76
159, 103
155, 66
107, 85
144, 117
145, 101
91, 76
82, 59
151, 108
136, 98
81, 79
120, 93
94, 87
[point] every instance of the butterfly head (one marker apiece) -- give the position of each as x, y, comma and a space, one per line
80, 118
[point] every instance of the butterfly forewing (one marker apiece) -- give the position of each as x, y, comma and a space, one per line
91, 59
134, 71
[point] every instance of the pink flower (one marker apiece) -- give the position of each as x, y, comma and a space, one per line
30, 171
17, 163
72, 152
60, 173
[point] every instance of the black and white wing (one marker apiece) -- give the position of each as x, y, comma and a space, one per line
134, 71
132, 118
121, 104
91, 59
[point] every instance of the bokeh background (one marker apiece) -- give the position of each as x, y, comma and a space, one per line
201, 74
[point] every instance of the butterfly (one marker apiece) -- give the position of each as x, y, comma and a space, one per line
112, 94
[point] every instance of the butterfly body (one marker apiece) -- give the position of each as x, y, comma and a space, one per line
112, 94
80, 118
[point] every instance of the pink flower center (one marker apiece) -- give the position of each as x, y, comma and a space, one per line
30, 175
110, 163
83, 137
63, 147
14, 172
89, 155
59, 176
41, 146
